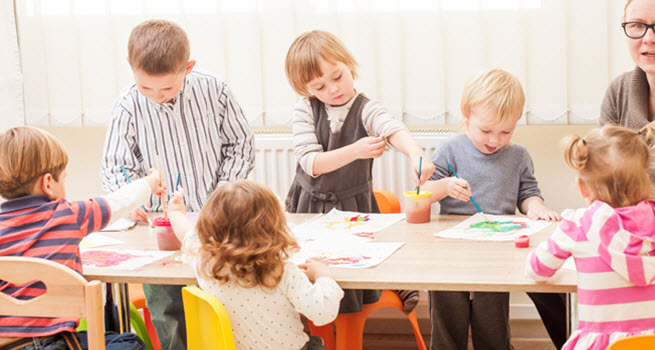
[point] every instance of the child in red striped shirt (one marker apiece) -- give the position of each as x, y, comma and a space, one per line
37, 221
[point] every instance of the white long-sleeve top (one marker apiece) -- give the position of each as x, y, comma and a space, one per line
269, 318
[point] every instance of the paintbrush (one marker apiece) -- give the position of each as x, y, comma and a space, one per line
472, 200
161, 179
420, 163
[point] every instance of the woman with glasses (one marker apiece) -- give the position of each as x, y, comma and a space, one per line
630, 99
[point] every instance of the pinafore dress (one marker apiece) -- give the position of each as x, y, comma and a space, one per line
349, 188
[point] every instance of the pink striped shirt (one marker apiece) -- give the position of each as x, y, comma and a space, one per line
614, 253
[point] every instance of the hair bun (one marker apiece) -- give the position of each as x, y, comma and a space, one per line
576, 153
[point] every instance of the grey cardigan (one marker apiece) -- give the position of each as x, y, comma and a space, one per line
626, 101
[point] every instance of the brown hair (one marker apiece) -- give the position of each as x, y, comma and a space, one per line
613, 161
494, 88
158, 47
26, 153
244, 235
302, 62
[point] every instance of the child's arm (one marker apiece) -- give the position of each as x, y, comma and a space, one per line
535, 209
131, 196
448, 186
364, 148
177, 214
309, 153
550, 255
237, 140
403, 141
318, 300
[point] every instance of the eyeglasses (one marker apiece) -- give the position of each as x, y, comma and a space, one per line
636, 30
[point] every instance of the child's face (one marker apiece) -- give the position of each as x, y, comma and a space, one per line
336, 86
159, 88
487, 135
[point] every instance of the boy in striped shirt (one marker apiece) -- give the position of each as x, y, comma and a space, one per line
188, 119
37, 221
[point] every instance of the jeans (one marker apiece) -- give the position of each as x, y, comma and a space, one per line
167, 312
113, 341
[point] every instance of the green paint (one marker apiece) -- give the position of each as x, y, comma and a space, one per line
498, 226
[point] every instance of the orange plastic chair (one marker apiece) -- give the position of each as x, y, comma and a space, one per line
634, 342
138, 299
387, 201
350, 326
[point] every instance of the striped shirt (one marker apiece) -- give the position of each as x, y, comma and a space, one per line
377, 122
203, 135
614, 253
35, 226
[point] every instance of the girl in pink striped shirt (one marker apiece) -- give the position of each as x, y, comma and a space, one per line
612, 241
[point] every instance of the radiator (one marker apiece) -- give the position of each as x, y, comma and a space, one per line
275, 163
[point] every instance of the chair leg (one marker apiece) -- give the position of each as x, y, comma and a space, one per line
326, 332
350, 330
151, 330
417, 331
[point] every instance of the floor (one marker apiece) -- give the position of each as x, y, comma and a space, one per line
388, 335
408, 342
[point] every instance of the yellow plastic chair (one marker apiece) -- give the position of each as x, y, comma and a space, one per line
207, 323
634, 343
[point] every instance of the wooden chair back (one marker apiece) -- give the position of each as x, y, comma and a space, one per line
67, 294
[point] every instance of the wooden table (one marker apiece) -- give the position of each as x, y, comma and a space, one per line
424, 262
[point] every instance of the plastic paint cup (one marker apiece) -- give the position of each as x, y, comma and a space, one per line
418, 206
166, 239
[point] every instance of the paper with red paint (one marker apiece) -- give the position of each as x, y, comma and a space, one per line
121, 259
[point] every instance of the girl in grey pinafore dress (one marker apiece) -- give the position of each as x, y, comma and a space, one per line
349, 188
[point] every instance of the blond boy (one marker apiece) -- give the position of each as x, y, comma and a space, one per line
37, 221
192, 122
500, 176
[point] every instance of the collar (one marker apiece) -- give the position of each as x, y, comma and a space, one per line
24, 202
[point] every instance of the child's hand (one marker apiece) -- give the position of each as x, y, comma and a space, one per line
458, 189
369, 147
427, 169
540, 212
154, 180
176, 204
138, 214
316, 268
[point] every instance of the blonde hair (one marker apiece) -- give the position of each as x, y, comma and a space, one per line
26, 153
625, 9
613, 162
302, 63
495, 88
244, 235
158, 47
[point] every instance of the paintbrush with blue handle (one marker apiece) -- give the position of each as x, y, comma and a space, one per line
472, 200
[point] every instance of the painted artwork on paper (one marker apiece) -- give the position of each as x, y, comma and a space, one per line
120, 259
355, 254
497, 228
337, 222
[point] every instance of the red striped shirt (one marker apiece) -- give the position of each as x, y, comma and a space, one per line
36, 226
